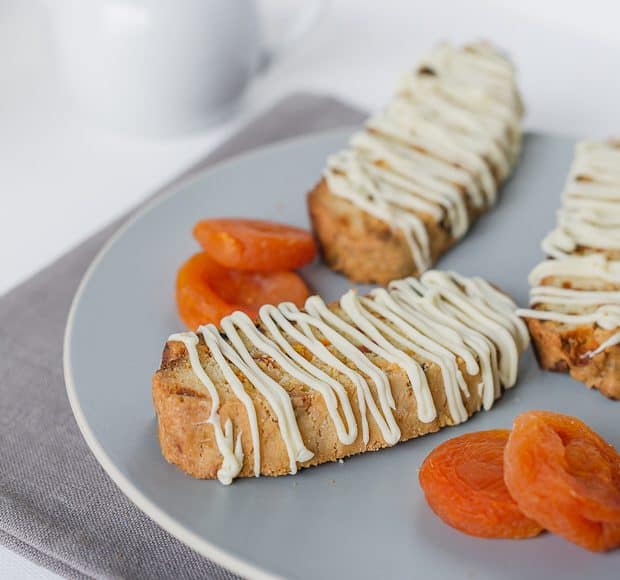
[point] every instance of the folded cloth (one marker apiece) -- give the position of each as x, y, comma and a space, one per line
57, 505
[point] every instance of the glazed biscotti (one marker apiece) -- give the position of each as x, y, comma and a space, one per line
303, 387
412, 181
574, 314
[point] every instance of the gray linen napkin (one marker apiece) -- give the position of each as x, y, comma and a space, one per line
57, 506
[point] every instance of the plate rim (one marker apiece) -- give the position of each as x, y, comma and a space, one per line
196, 542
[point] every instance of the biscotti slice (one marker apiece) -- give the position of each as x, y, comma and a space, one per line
303, 387
574, 319
422, 170
574, 314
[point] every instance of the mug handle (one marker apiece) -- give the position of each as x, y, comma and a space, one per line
306, 21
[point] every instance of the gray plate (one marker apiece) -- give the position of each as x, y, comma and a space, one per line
365, 518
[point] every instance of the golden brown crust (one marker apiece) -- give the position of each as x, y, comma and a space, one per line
183, 406
363, 247
562, 348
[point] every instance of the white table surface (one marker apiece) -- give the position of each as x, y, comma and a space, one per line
61, 178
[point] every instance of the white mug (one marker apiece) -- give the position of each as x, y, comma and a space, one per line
163, 67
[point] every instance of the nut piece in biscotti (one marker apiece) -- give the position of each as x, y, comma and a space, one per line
563, 348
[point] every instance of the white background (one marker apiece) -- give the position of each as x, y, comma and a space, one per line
60, 178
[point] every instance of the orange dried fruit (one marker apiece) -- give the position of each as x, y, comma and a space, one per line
256, 245
463, 481
207, 291
565, 476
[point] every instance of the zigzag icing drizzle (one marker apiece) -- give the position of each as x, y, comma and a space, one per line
448, 137
590, 216
443, 318
589, 220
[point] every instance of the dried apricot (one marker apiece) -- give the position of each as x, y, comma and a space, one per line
463, 481
565, 476
256, 245
207, 291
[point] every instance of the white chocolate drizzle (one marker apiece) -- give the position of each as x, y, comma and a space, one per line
442, 318
590, 216
448, 137
587, 223
231, 450
593, 266
574, 307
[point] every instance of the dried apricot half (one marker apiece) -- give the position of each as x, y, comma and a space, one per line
463, 481
565, 476
207, 291
256, 245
